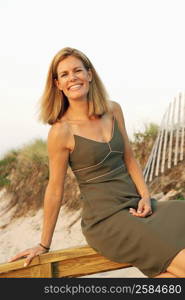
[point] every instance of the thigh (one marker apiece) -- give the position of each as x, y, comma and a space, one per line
166, 275
177, 265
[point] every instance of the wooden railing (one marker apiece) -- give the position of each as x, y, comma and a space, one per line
72, 262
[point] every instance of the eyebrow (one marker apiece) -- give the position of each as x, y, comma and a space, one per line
66, 71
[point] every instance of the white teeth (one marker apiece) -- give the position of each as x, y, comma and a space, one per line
74, 87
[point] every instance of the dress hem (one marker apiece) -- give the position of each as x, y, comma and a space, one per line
168, 262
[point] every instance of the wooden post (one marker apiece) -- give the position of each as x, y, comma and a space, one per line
160, 146
182, 130
177, 130
171, 136
165, 139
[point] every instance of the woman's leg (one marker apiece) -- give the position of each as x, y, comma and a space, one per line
177, 266
165, 275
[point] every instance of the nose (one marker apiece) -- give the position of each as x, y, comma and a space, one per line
72, 77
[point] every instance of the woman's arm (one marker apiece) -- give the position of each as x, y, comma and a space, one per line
58, 162
58, 154
133, 166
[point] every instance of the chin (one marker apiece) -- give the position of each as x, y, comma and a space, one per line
77, 96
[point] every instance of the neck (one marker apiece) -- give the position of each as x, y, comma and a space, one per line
78, 110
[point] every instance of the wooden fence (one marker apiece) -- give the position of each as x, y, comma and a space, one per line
169, 147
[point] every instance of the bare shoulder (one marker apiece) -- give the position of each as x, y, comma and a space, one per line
115, 105
58, 136
118, 113
58, 153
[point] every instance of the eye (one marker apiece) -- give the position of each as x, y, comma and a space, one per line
78, 70
63, 75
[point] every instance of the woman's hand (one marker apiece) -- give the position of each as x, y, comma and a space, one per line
144, 208
29, 254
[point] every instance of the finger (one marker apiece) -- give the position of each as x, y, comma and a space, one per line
28, 260
145, 213
135, 214
18, 256
132, 210
140, 208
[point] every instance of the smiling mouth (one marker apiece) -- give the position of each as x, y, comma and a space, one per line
75, 87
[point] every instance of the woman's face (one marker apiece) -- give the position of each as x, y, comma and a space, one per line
73, 78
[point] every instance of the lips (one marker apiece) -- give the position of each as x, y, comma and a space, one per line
75, 87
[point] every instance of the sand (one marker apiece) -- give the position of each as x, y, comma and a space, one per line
25, 232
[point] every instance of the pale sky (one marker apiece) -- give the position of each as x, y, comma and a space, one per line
136, 46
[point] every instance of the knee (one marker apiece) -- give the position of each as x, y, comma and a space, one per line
177, 265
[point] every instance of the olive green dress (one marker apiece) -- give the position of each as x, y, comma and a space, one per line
107, 193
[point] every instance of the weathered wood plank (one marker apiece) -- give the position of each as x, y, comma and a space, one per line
60, 255
84, 266
70, 262
38, 271
16, 265
45, 270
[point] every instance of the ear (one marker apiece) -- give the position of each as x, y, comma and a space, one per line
56, 83
90, 74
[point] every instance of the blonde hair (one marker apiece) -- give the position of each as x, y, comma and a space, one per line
53, 103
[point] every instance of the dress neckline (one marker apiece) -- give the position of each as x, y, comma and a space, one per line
112, 135
94, 141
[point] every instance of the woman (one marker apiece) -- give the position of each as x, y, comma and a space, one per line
119, 218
